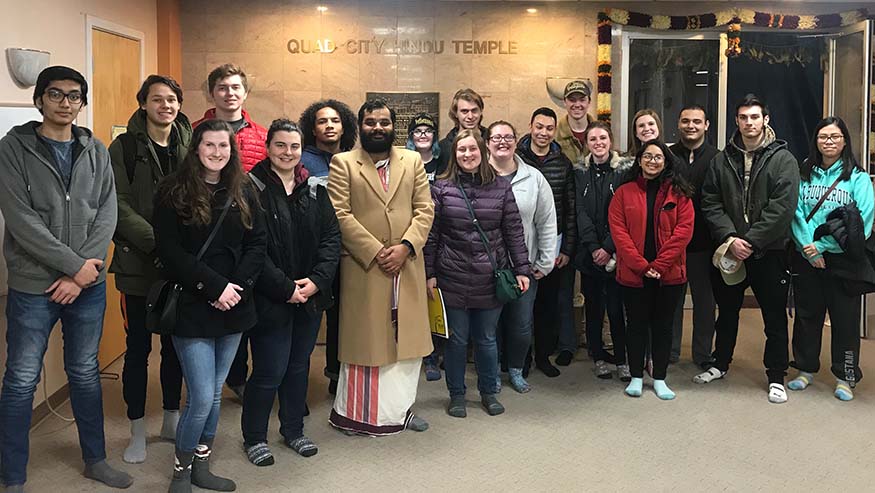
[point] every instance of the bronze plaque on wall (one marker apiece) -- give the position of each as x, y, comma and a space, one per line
406, 106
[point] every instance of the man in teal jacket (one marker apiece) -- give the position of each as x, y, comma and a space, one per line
58, 199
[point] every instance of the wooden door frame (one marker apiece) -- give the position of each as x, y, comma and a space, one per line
91, 23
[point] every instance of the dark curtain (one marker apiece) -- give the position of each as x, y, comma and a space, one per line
793, 91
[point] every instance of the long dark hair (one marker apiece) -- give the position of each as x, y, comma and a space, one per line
636, 145
815, 158
307, 123
186, 190
487, 174
670, 172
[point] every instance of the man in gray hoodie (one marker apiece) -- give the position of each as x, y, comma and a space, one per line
57, 196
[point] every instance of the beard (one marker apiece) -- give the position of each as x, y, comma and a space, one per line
371, 145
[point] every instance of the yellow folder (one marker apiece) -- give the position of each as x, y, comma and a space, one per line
437, 315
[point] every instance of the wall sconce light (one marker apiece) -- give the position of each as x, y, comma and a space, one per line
25, 65
556, 88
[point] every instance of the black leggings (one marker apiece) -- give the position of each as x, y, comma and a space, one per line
135, 373
650, 311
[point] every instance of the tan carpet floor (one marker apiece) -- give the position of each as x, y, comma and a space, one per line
571, 433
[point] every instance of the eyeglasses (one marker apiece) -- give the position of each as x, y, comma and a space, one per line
423, 133
834, 138
656, 158
495, 139
56, 96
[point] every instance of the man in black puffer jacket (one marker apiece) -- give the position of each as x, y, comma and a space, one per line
749, 196
553, 305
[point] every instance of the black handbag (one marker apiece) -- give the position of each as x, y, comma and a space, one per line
506, 286
162, 302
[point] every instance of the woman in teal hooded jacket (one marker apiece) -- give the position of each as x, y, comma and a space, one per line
830, 170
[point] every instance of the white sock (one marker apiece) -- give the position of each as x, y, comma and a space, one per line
136, 451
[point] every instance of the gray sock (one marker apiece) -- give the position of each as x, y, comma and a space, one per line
200, 471
103, 472
168, 428
136, 451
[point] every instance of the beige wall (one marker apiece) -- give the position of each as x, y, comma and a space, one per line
559, 41
59, 27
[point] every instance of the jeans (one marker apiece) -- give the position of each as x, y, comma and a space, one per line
769, 279
205, 363
479, 325
651, 310
818, 291
332, 332
603, 294
280, 362
514, 334
30, 320
135, 374
554, 315
239, 371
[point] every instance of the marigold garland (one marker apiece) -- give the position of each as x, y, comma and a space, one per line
732, 18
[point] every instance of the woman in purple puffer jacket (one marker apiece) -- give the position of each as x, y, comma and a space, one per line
457, 262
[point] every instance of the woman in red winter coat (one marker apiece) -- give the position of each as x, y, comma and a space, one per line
651, 220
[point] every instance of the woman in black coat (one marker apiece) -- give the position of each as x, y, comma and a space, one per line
215, 305
303, 250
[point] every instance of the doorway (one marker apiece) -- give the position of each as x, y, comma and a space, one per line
115, 72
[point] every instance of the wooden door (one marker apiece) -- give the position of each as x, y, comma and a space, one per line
114, 85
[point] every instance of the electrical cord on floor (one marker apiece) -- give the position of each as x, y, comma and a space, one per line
48, 402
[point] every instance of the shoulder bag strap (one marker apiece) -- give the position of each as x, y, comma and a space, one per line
823, 199
215, 228
479, 229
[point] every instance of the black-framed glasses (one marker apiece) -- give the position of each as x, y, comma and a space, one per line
495, 139
833, 137
423, 133
656, 158
57, 95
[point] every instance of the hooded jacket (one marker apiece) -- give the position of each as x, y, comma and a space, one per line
760, 211
316, 161
455, 254
557, 169
596, 185
303, 240
571, 147
695, 174
133, 260
857, 189
854, 267
53, 228
251, 139
673, 219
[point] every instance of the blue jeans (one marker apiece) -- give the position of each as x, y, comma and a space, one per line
205, 363
514, 333
280, 362
478, 325
30, 320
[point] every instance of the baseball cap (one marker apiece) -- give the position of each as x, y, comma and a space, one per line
421, 120
731, 268
576, 86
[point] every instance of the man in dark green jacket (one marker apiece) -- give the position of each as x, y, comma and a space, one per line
58, 199
749, 200
156, 142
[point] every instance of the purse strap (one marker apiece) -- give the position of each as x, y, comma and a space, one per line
823, 199
479, 229
215, 230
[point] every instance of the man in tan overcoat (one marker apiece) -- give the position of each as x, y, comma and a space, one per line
384, 207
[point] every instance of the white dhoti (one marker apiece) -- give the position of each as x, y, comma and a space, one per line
376, 400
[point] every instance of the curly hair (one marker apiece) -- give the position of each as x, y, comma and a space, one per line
187, 192
307, 123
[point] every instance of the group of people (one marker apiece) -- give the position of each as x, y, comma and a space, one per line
264, 230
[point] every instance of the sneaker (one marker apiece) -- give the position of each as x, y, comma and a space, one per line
709, 376
432, 372
602, 370
623, 373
